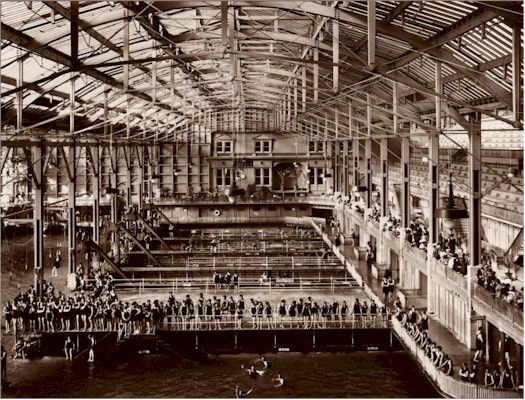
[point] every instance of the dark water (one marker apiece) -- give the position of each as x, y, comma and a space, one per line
322, 375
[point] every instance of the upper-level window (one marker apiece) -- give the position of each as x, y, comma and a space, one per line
263, 146
224, 177
262, 176
316, 146
224, 146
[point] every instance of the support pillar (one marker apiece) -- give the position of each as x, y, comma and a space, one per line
335, 52
382, 252
517, 87
405, 184
368, 152
433, 178
371, 33
474, 160
72, 219
71, 169
95, 155
115, 242
38, 217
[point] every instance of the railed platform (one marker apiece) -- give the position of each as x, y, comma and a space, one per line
227, 341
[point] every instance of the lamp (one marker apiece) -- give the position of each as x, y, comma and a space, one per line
359, 189
450, 212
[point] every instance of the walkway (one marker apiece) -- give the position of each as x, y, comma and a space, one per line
457, 351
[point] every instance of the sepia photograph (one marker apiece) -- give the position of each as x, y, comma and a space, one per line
262, 199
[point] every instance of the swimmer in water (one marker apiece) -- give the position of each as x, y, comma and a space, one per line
265, 362
252, 371
239, 393
280, 380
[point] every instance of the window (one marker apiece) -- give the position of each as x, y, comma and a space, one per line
224, 147
311, 175
262, 176
224, 177
262, 146
320, 176
316, 146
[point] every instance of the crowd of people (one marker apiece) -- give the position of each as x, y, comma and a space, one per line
451, 250
503, 286
500, 376
27, 313
416, 325
101, 310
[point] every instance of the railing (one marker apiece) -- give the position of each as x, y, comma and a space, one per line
207, 285
457, 278
448, 385
232, 322
498, 306
329, 201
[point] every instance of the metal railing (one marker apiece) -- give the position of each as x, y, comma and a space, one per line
207, 285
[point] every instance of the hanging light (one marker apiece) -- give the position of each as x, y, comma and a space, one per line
359, 189
450, 213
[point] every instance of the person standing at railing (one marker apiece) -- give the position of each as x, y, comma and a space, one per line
373, 312
446, 366
464, 372
356, 311
335, 313
507, 379
268, 314
473, 374
423, 321
344, 312
282, 313
307, 313
253, 313
488, 378
217, 316
299, 312
260, 313
292, 312
239, 312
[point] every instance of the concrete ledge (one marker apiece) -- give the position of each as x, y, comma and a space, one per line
360, 253
411, 297
378, 270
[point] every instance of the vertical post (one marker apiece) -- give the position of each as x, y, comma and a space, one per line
316, 74
474, 159
405, 187
335, 52
125, 50
224, 23
74, 7
71, 161
517, 55
114, 201
433, 177
368, 150
371, 33
20, 95
303, 94
38, 217
96, 192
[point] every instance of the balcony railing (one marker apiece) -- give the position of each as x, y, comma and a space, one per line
498, 306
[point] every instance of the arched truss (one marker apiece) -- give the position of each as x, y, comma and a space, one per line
161, 68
